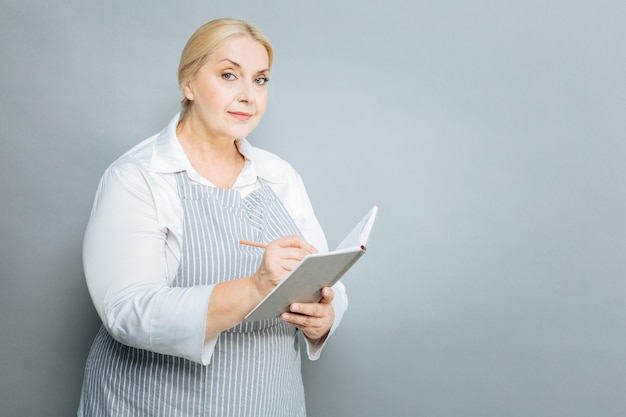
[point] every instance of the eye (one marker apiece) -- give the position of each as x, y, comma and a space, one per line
262, 80
229, 76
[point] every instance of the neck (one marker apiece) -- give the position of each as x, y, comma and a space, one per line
216, 159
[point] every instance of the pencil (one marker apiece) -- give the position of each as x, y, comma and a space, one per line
250, 243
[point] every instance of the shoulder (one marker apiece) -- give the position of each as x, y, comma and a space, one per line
138, 157
272, 168
129, 174
133, 163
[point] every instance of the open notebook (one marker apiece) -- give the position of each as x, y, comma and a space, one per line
316, 271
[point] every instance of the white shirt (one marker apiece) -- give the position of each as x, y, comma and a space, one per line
132, 245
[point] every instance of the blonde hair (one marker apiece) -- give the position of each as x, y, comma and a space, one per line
205, 40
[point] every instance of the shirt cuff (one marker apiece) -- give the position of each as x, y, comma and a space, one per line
179, 324
208, 348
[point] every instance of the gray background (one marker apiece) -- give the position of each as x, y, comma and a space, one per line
490, 133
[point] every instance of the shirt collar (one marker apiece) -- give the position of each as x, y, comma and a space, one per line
168, 156
167, 153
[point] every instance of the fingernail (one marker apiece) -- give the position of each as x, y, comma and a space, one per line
295, 307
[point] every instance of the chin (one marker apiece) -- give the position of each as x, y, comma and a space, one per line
242, 133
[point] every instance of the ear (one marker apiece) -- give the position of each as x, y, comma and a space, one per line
187, 91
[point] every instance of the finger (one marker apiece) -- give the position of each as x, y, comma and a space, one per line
328, 295
287, 259
293, 253
289, 264
299, 320
308, 309
296, 241
305, 321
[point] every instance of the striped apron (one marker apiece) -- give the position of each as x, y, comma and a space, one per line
255, 368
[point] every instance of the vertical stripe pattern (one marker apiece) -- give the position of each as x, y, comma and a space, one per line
255, 368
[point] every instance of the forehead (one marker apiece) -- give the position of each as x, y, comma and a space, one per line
244, 50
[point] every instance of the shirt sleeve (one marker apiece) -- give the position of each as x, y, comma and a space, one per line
126, 272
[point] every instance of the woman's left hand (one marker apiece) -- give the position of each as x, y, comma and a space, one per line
313, 319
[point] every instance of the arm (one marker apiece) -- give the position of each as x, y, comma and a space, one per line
126, 271
232, 300
327, 315
125, 267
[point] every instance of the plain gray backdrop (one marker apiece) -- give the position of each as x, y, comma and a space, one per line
490, 133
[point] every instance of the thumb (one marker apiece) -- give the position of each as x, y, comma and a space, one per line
327, 295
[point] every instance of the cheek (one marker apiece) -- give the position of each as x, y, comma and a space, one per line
261, 103
206, 92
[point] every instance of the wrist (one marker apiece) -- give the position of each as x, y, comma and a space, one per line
257, 292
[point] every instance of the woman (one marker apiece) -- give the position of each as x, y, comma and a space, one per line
164, 265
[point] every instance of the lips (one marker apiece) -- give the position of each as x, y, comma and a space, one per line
240, 115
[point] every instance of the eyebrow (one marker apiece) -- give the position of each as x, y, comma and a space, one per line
239, 66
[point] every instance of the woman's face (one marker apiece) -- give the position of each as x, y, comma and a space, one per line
229, 95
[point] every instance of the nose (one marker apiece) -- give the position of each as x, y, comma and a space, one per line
246, 92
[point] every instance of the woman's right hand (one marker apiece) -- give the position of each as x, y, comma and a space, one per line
280, 257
